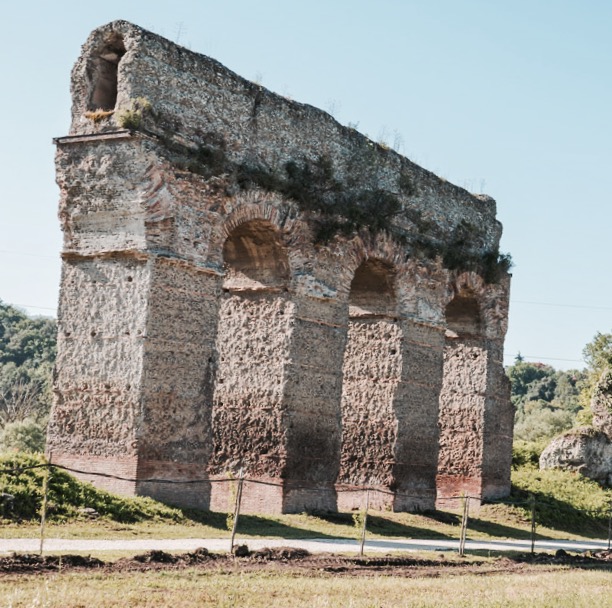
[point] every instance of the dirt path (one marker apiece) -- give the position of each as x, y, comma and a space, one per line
300, 561
54, 545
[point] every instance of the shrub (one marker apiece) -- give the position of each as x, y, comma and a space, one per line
131, 118
21, 475
526, 453
23, 436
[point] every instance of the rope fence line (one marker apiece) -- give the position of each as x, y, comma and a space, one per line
302, 484
465, 499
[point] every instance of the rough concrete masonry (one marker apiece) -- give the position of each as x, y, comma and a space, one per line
248, 285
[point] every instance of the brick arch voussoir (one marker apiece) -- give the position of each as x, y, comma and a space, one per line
367, 247
490, 298
250, 209
253, 212
464, 284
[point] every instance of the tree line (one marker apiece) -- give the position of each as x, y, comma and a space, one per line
27, 356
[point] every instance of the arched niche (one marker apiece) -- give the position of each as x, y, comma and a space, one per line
373, 290
463, 317
372, 371
254, 258
462, 401
252, 354
103, 73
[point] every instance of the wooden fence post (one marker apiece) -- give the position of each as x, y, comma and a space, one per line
610, 524
43, 508
464, 525
365, 522
237, 508
533, 522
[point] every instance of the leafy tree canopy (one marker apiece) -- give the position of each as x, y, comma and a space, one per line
27, 355
546, 400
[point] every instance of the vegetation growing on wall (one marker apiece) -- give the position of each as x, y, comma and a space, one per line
345, 206
132, 116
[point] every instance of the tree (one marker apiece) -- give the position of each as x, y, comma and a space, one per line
546, 400
27, 356
598, 353
598, 357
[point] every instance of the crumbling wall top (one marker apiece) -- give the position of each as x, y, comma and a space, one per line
127, 77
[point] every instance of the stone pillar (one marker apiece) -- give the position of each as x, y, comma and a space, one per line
312, 417
95, 420
462, 407
176, 439
498, 426
416, 409
372, 371
252, 351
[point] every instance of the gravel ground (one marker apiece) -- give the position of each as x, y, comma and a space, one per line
54, 545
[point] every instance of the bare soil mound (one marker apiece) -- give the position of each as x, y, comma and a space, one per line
302, 562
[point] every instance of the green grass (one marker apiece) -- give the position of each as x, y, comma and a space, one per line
568, 506
67, 496
565, 500
184, 589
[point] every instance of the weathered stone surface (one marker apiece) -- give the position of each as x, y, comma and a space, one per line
601, 404
587, 450
584, 450
250, 286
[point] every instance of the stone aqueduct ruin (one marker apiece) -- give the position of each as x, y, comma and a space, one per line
247, 284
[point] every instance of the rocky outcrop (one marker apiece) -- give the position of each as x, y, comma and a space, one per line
601, 404
584, 450
587, 450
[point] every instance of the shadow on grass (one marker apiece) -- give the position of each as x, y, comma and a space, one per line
497, 530
558, 514
383, 526
256, 525
550, 512
386, 527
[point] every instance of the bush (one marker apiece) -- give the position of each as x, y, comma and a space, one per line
23, 436
540, 423
22, 475
527, 453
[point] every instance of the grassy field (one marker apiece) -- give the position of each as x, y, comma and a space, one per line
188, 588
568, 506
493, 521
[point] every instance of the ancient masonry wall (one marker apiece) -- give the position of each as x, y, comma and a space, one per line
250, 288
462, 419
248, 401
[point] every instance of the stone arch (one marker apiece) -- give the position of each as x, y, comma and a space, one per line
103, 73
254, 258
379, 249
372, 371
462, 399
252, 354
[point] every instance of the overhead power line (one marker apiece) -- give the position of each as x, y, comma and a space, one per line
18, 305
586, 306
536, 358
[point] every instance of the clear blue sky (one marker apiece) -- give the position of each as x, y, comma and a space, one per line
509, 98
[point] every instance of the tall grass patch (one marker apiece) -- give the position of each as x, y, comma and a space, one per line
21, 477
